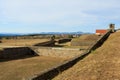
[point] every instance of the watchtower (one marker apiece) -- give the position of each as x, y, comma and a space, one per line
112, 27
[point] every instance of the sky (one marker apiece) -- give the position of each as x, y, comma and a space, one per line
34, 16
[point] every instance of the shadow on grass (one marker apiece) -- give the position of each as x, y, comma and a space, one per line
58, 46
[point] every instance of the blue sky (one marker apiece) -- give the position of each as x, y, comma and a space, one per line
29, 16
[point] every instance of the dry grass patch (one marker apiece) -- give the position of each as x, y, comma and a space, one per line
21, 42
85, 40
103, 64
25, 68
88, 37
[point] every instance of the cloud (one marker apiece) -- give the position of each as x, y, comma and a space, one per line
59, 12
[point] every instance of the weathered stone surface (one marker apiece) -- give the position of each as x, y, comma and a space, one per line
58, 52
16, 52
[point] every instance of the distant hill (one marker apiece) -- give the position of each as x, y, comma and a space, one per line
50, 33
61, 33
8, 34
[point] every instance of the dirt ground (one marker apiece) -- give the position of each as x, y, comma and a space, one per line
21, 42
22, 69
101, 64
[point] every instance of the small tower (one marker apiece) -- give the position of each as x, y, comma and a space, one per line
112, 27
0, 40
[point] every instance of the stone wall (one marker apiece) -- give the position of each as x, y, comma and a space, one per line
57, 52
15, 53
64, 40
47, 43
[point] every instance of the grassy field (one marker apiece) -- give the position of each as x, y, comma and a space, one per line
90, 38
84, 41
68, 45
21, 42
30, 42
86, 37
101, 64
25, 68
